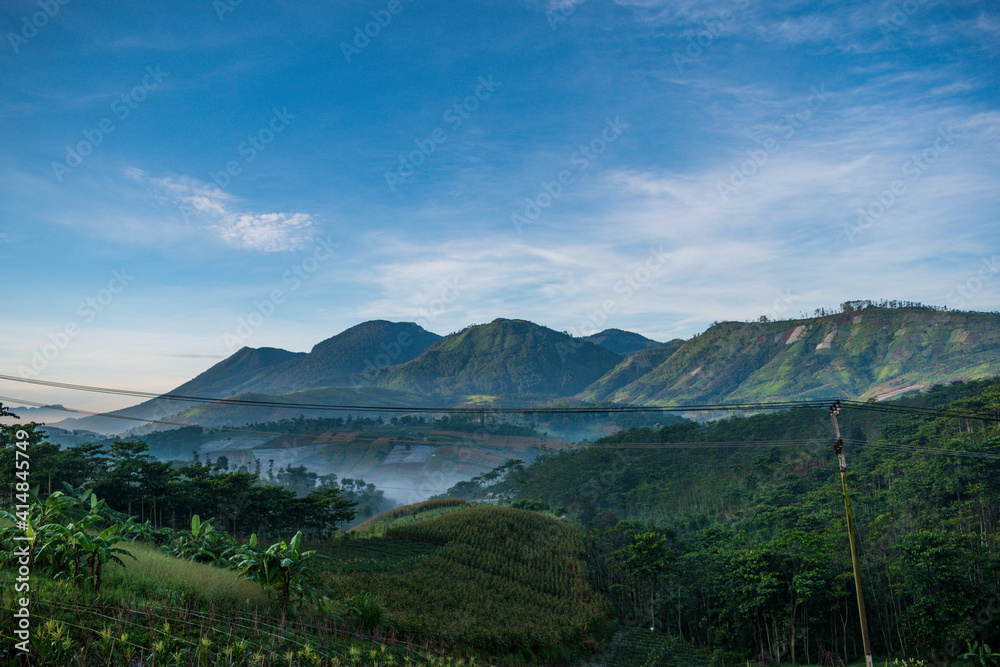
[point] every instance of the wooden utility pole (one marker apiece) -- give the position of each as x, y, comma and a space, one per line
838, 448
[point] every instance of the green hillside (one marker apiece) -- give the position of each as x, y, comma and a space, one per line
623, 342
362, 349
871, 353
242, 370
629, 370
164, 610
501, 358
864, 352
496, 580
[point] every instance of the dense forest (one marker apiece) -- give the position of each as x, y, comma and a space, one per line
130, 481
732, 534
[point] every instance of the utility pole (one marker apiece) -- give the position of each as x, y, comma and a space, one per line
838, 449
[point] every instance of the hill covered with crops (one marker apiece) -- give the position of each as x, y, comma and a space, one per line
498, 580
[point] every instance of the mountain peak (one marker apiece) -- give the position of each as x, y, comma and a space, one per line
504, 357
622, 342
405, 334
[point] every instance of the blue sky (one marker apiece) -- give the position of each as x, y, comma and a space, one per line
181, 179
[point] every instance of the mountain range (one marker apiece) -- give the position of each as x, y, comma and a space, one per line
45, 413
873, 352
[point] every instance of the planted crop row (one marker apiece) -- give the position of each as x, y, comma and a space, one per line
408, 510
497, 579
119, 631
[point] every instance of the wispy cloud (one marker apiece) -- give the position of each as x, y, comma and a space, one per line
219, 212
267, 232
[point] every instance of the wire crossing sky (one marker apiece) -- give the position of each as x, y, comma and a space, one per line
181, 179
745, 406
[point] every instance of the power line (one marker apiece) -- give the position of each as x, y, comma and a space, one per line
618, 409
137, 419
919, 411
744, 444
775, 405
314, 436
934, 451
472, 435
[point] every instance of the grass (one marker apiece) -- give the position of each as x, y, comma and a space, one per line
161, 576
165, 611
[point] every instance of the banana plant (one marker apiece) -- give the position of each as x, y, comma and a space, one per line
72, 545
203, 543
283, 568
102, 550
40, 522
132, 530
981, 654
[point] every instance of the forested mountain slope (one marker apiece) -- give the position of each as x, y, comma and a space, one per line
871, 352
503, 357
752, 511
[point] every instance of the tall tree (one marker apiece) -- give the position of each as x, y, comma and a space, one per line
644, 561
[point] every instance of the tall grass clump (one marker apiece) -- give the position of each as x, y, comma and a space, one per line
158, 575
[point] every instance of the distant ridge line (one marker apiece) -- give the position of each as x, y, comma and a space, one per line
775, 405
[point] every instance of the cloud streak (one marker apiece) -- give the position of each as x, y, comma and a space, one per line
219, 212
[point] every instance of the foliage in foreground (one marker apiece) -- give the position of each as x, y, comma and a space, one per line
165, 611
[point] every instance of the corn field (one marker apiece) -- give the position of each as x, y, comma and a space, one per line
497, 579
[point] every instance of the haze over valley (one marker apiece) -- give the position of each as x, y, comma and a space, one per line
521, 333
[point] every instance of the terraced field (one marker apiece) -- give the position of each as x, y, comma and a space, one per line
496, 581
